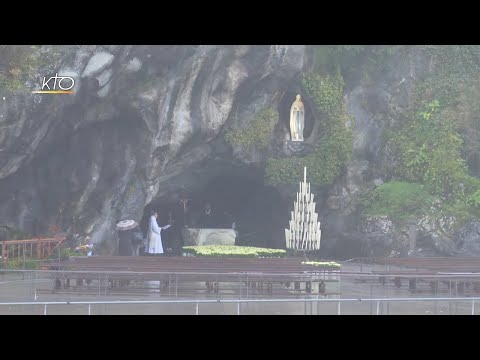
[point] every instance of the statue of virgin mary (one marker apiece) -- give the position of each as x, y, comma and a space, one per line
297, 119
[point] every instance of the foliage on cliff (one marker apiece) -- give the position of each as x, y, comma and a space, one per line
455, 83
437, 143
19, 62
257, 133
400, 201
429, 151
16, 63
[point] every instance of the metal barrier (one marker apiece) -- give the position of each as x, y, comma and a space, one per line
238, 302
341, 274
30, 286
107, 283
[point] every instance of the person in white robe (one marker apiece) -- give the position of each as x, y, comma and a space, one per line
155, 245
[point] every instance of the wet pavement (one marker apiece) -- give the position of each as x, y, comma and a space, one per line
26, 287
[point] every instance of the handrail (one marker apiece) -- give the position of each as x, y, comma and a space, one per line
197, 302
226, 301
27, 241
264, 274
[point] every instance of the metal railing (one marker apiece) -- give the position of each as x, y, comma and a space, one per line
35, 288
238, 303
306, 274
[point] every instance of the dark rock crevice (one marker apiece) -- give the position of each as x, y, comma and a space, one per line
259, 212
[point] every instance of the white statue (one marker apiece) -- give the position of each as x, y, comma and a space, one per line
297, 119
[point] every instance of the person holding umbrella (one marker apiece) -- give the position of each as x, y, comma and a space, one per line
129, 238
154, 236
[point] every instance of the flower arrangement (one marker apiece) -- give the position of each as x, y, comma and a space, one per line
86, 249
232, 251
328, 264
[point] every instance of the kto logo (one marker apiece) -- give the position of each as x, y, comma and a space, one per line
60, 85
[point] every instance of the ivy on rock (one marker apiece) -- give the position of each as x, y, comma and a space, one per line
258, 131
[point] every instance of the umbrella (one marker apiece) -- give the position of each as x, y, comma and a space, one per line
126, 225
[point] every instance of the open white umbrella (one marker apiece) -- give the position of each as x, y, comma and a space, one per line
126, 225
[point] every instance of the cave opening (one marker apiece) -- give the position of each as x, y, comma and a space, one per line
284, 111
257, 212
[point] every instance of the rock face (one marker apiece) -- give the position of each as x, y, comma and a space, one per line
142, 122
375, 106
381, 237
147, 121
468, 239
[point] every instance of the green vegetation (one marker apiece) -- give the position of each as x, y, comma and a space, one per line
400, 201
258, 131
232, 251
437, 143
474, 200
454, 83
335, 146
65, 254
327, 264
327, 95
428, 148
458, 59
20, 264
19, 62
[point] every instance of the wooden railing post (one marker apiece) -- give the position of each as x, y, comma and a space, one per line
39, 251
